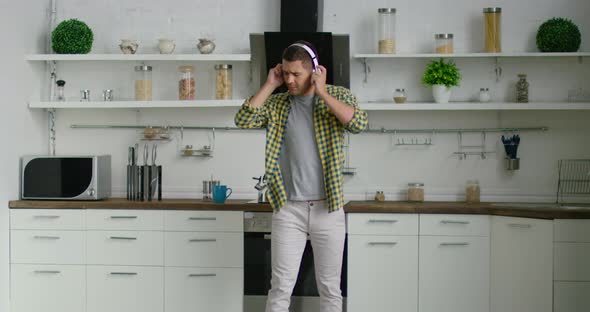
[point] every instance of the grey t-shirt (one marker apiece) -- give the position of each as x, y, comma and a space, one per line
300, 159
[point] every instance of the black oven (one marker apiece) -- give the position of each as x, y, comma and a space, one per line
257, 268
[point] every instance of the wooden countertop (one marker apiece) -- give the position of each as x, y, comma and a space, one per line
529, 210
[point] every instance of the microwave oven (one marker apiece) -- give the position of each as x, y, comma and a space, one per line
65, 177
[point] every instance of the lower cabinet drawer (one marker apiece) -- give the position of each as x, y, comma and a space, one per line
571, 296
200, 289
125, 289
126, 247
47, 288
47, 247
204, 249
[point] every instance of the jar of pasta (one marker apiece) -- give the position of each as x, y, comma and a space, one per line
386, 28
223, 81
186, 84
143, 83
492, 29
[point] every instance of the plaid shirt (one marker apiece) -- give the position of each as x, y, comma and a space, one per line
329, 134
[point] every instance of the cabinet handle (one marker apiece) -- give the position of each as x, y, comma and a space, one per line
47, 272
45, 217
382, 243
123, 238
200, 240
382, 221
202, 275
454, 244
202, 218
453, 222
520, 225
123, 217
46, 237
123, 273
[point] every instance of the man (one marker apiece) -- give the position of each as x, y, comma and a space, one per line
303, 167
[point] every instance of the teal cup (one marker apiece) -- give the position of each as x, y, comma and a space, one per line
221, 193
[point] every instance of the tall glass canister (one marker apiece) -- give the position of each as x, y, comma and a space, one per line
386, 30
143, 83
492, 34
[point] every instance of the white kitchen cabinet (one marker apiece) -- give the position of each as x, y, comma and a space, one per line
454, 274
571, 279
125, 289
382, 262
204, 289
47, 288
454, 263
521, 265
382, 273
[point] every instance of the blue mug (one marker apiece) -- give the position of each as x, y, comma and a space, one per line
220, 193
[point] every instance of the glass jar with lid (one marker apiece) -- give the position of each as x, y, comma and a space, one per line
416, 192
472, 191
143, 83
443, 43
522, 89
399, 96
386, 27
60, 91
492, 29
223, 81
186, 83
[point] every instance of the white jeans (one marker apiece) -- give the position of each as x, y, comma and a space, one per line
290, 226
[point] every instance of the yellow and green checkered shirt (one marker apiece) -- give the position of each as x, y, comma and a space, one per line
329, 133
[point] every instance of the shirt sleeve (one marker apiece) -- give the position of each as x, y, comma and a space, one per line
360, 118
249, 117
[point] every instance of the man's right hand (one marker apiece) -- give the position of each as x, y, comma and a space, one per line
275, 76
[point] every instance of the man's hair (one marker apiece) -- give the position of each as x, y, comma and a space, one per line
294, 53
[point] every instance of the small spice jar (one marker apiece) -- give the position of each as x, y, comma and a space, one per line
399, 96
472, 191
379, 196
386, 27
143, 83
223, 81
484, 95
416, 192
443, 43
492, 29
186, 84
60, 90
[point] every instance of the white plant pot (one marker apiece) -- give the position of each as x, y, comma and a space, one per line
441, 93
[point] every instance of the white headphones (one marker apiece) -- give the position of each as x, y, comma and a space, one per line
314, 59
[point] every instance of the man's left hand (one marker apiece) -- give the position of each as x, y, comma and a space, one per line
318, 80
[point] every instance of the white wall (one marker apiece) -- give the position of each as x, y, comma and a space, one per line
239, 155
23, 129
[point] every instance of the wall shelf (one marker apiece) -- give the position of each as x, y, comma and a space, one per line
471, 55
472, 106
363, 58
140, 57
138, 104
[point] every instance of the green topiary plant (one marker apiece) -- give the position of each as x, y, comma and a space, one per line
72, 37
558, 35
442, 73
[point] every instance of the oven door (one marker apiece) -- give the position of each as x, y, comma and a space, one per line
257, 276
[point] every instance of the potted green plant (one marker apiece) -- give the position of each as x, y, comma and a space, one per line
442, 76
72, 37
558, 35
